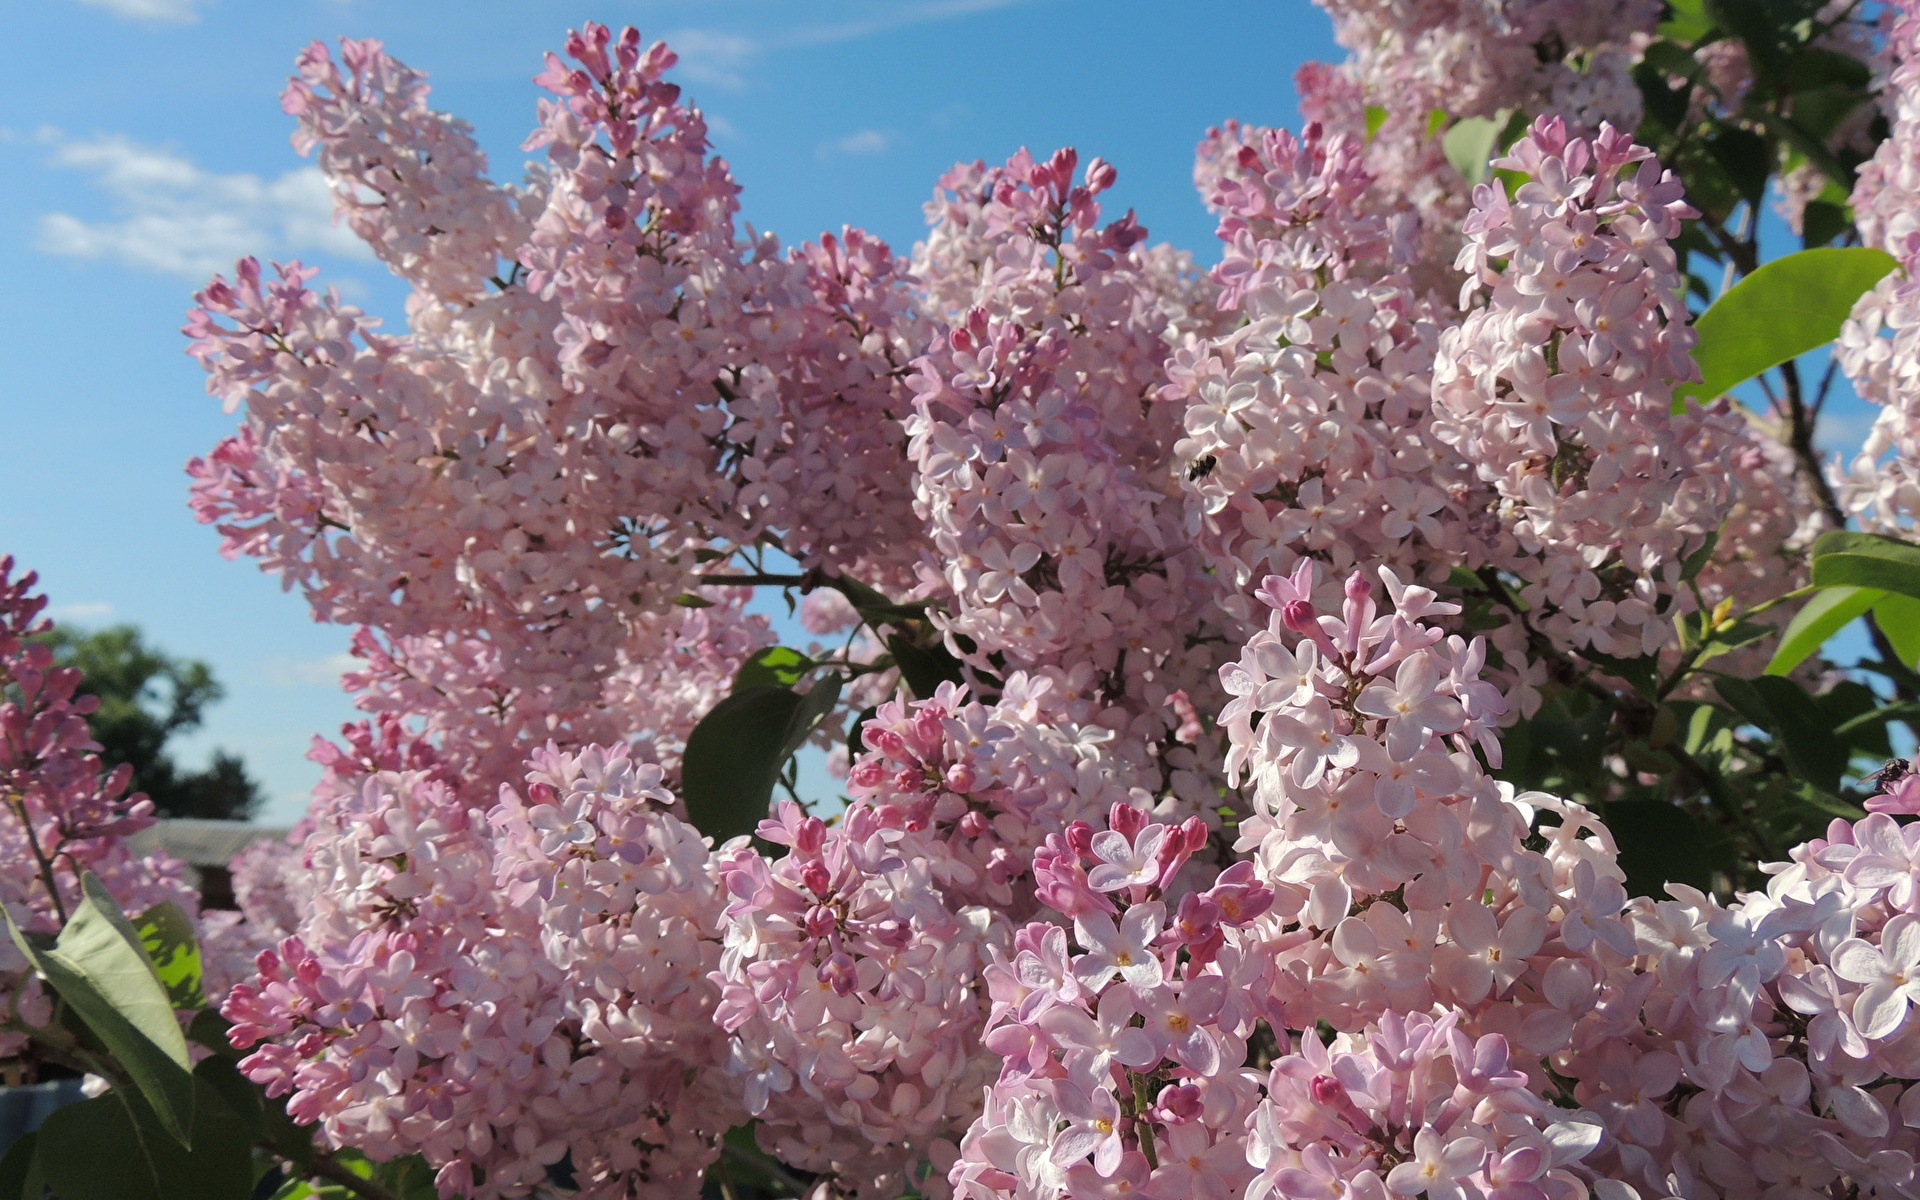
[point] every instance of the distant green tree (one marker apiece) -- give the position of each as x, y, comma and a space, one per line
147, 697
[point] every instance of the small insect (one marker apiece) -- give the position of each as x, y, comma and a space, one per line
1202, 468
1895, 770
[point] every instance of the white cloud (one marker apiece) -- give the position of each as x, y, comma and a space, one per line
722, 58
714, 56
310, 672
154, 12
97, 611
181, 219
858, 144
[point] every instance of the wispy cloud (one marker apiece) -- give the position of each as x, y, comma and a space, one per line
723, 57
309, 672
862, 143
177, 217
713, 56
97, 611
154, 12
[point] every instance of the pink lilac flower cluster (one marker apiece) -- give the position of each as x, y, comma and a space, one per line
1039, 444
852, 974
1880, 487
1121, 1040
1309, 428
61, 815
1056, 945
1557, 386
1415, 67
504, 992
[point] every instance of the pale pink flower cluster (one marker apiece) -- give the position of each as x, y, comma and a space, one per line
1413, 1105
600, 382
1557, 386
511, 994
1122, 1040
1769, 1048
60, 815
852, 982
1411, 59
1038, 442
1309, 428
1878, 345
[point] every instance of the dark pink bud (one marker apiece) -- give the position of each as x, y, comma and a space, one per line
1177, 1105
810, 836
974, 824
815, 877
1126, 819
1080, 839
821, 921
1358, 588
1329, 1092
1298, 615
961, 778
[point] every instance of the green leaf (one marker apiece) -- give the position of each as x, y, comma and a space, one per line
243, 1098
111, 1148
1848, 707
735, 754
1661, 844
1730, 638
1694, 563
1686, 21
1436, 121
776, 666
924, 668
814, 706
1786, 308
1801, 730
733, 760
15, 1167
1826, 613
1899, 618
855, 747
689, 600
166, 934
1822, 221
99, 968
1376, 117
1469, 144
1866, 560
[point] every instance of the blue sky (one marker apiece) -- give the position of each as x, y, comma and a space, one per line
142, 147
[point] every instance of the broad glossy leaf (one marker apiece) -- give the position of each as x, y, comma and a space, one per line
1661, 843
1825, 613
776, 666
924, 668
814, 706
1866, 560
1801, 728
1469, 144
166, 934
110, 1148
15, 1167
1789, 306
733, 760
1899, 618
99, 968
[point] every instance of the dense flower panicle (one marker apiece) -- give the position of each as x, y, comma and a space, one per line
1411, 1106
409, 181
1309, 429
1412, 59
1877, 347
1039, 448
1122, 1041
504, 993
852, 977
1113, 918
1557, 387
61, 815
